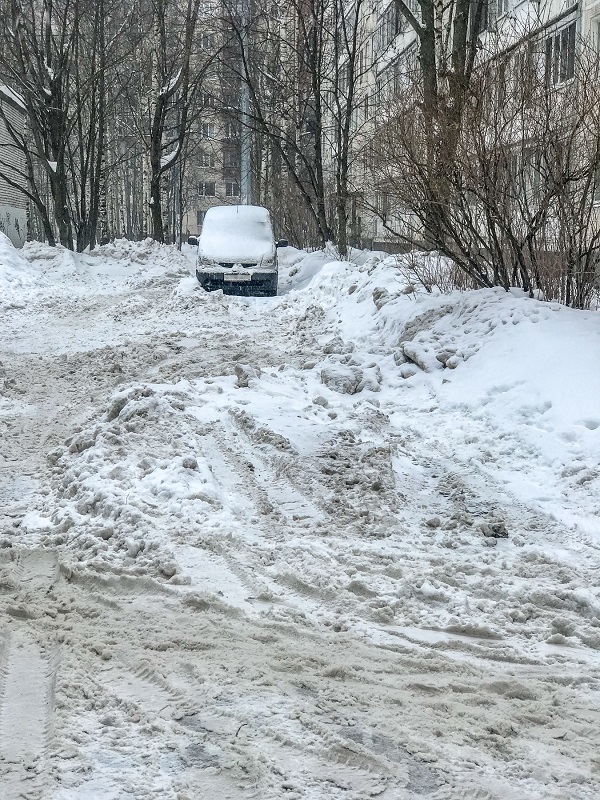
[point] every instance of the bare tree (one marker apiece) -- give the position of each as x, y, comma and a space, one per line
447, 35
58, 58
302, 70
520, 197
39, 59
175, 80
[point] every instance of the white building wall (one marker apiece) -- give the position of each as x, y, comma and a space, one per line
508, 23
13, 203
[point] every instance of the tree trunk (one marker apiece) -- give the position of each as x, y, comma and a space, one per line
62, 217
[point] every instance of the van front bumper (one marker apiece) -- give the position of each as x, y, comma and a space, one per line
248, 284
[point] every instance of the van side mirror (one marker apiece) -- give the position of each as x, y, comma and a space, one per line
282, 243
193, 240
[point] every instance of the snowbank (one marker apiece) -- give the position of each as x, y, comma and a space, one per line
356, 525
16, 276
519, 369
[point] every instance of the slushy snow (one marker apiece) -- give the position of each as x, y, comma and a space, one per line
341, 543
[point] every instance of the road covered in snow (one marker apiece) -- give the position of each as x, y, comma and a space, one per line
342, 543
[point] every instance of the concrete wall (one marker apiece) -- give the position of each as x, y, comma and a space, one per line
13, 222
13, 203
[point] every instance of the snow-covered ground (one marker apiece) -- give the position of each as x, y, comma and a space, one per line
342, 543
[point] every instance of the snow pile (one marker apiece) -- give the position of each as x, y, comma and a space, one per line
111, 268
144, 264
519, 369
266, 511
297, 268
17, 277
111, 486
64, 270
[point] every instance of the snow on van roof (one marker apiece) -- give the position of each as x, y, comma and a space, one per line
237, 233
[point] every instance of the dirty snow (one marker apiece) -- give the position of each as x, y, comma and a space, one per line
342, 543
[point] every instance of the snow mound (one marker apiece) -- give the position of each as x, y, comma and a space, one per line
113, 488
16, 276
521, 370
297, 267
110, 268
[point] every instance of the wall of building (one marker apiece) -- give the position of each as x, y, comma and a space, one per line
13, 203
212, 171
555, 26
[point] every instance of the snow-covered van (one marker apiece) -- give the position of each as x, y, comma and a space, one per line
237, 252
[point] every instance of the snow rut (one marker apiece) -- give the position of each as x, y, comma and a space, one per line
27, 700
145, 687
37, 570
27, 678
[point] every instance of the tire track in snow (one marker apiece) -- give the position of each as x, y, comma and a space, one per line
37, 570
27, 680
277, 512
282, 522
145, 687
469, 793
27, 699
466, 498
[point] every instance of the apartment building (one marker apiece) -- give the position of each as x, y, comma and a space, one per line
551, 31
13, 203
386, 50
213, 170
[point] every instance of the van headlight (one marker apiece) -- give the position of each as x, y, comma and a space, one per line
206, 262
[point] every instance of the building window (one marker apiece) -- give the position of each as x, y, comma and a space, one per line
344, 79
391, 24
379, 93
207, 189
382, 204
361, 62
231, 130
384, 88
401, 74
208, 130
532, 171
207, 41
596, 186
560, 56
481, 16
231, 100
365, 108
231, 158
206, 159
232, 189
200, 218
208, 100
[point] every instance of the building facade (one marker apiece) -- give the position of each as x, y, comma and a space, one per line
13, 202
213, 167
552, 32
